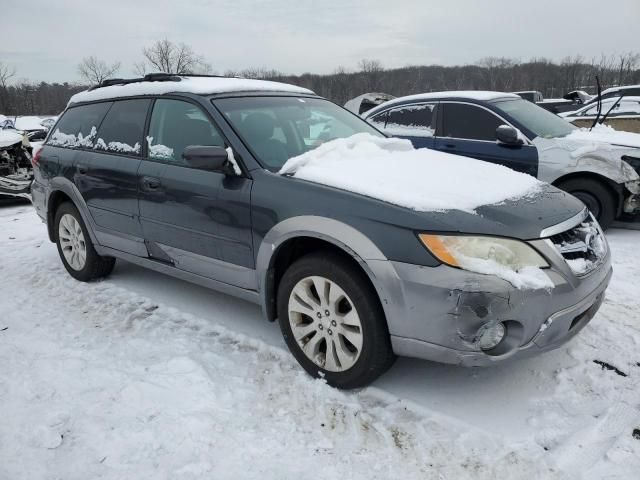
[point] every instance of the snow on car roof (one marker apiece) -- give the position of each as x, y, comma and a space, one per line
482, 95
618, 89
197, 85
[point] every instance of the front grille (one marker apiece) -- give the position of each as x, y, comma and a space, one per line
583, 247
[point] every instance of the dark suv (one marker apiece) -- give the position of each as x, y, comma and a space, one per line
180, 175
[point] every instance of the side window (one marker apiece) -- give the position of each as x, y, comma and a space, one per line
469, 122
412, 120
176, 125
78, 126
379, 121
123, 127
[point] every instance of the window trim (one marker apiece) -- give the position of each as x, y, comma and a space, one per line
505, 122
197, 104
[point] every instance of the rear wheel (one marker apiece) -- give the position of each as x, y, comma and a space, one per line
332, 321
75, 248
597, 197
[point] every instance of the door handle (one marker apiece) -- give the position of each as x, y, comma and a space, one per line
450, 146
82, 169
150, 183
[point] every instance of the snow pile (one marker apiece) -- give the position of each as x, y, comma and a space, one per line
605, 134
197, 85
391, 170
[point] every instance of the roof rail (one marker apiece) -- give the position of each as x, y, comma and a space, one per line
149, 77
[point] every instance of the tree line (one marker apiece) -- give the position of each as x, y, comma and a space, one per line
552, 78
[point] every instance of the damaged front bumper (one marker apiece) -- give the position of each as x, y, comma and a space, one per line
16, 186
446, 307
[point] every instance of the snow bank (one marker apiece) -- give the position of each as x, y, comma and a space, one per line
198, 85
605, 134
391, 170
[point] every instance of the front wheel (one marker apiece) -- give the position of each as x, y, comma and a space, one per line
596, 196
75, 248
332, 321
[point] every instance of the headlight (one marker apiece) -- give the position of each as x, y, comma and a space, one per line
462, 251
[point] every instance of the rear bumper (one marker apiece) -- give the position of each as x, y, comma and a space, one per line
445, 308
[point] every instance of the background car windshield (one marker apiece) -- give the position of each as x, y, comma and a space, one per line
540, 121
279, 128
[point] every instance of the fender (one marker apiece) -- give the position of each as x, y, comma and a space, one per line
378, 268
66, 186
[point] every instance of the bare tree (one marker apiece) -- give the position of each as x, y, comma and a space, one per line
166, 56
6, 74
95, 71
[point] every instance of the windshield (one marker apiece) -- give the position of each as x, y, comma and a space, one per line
278, 128
540, 121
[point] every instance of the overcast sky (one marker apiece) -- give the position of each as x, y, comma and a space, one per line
45, 40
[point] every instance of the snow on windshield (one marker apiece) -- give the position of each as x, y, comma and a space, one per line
391, 170
606, 134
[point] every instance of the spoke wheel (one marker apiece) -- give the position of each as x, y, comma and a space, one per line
332, 320
325, 323
72, 242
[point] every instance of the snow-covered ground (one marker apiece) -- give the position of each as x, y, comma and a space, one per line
144, 376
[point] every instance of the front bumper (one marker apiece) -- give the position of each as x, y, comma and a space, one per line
445, 307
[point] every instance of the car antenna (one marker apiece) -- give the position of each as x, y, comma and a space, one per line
599, 103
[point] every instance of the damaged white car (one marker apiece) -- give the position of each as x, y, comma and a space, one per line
16, 170
600, 166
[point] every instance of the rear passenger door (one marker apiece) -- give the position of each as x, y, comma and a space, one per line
197, 220
470, 130
109, 175
414, 122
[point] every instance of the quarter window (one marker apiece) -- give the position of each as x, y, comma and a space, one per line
412, 120
469, 122
379, 121
175, 125
78, 126
123, 127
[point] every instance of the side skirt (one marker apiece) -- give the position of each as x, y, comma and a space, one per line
249, 295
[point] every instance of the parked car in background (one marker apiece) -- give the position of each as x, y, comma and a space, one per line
621, 114
16, 171
496, 127
614, 92
530, 95
227, 183
365, 102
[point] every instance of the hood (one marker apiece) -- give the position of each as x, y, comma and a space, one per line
605, 134
9, 138
428, 188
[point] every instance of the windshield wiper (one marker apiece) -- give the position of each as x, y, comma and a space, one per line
595, 122
617, 102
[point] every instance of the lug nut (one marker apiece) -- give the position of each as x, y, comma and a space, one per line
326, 312
333, 323
320, 327
319, 315
330, 332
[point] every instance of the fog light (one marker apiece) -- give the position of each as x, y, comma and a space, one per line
490, 335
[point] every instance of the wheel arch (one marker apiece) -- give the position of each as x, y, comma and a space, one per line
61, 190
616, 189
296, 236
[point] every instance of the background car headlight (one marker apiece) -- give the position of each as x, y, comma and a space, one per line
455, 250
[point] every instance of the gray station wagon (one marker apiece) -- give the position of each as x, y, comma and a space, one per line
180, 175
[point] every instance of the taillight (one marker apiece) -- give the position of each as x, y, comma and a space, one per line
35, 158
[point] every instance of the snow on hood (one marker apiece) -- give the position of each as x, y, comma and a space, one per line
197, 85
605, 134
391, 170
9, 137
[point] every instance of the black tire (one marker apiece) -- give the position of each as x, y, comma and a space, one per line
596, 196
376, 355
95, 265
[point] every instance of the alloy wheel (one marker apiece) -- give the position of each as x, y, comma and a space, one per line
72, 242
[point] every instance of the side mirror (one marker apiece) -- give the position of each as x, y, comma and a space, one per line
508, 135
212, 159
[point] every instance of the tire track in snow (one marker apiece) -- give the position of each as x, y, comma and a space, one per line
101, 383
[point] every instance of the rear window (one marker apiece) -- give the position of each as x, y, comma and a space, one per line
123, 127
78, 126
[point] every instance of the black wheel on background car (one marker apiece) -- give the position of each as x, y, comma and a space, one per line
332, 321
75, 248
596, 196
